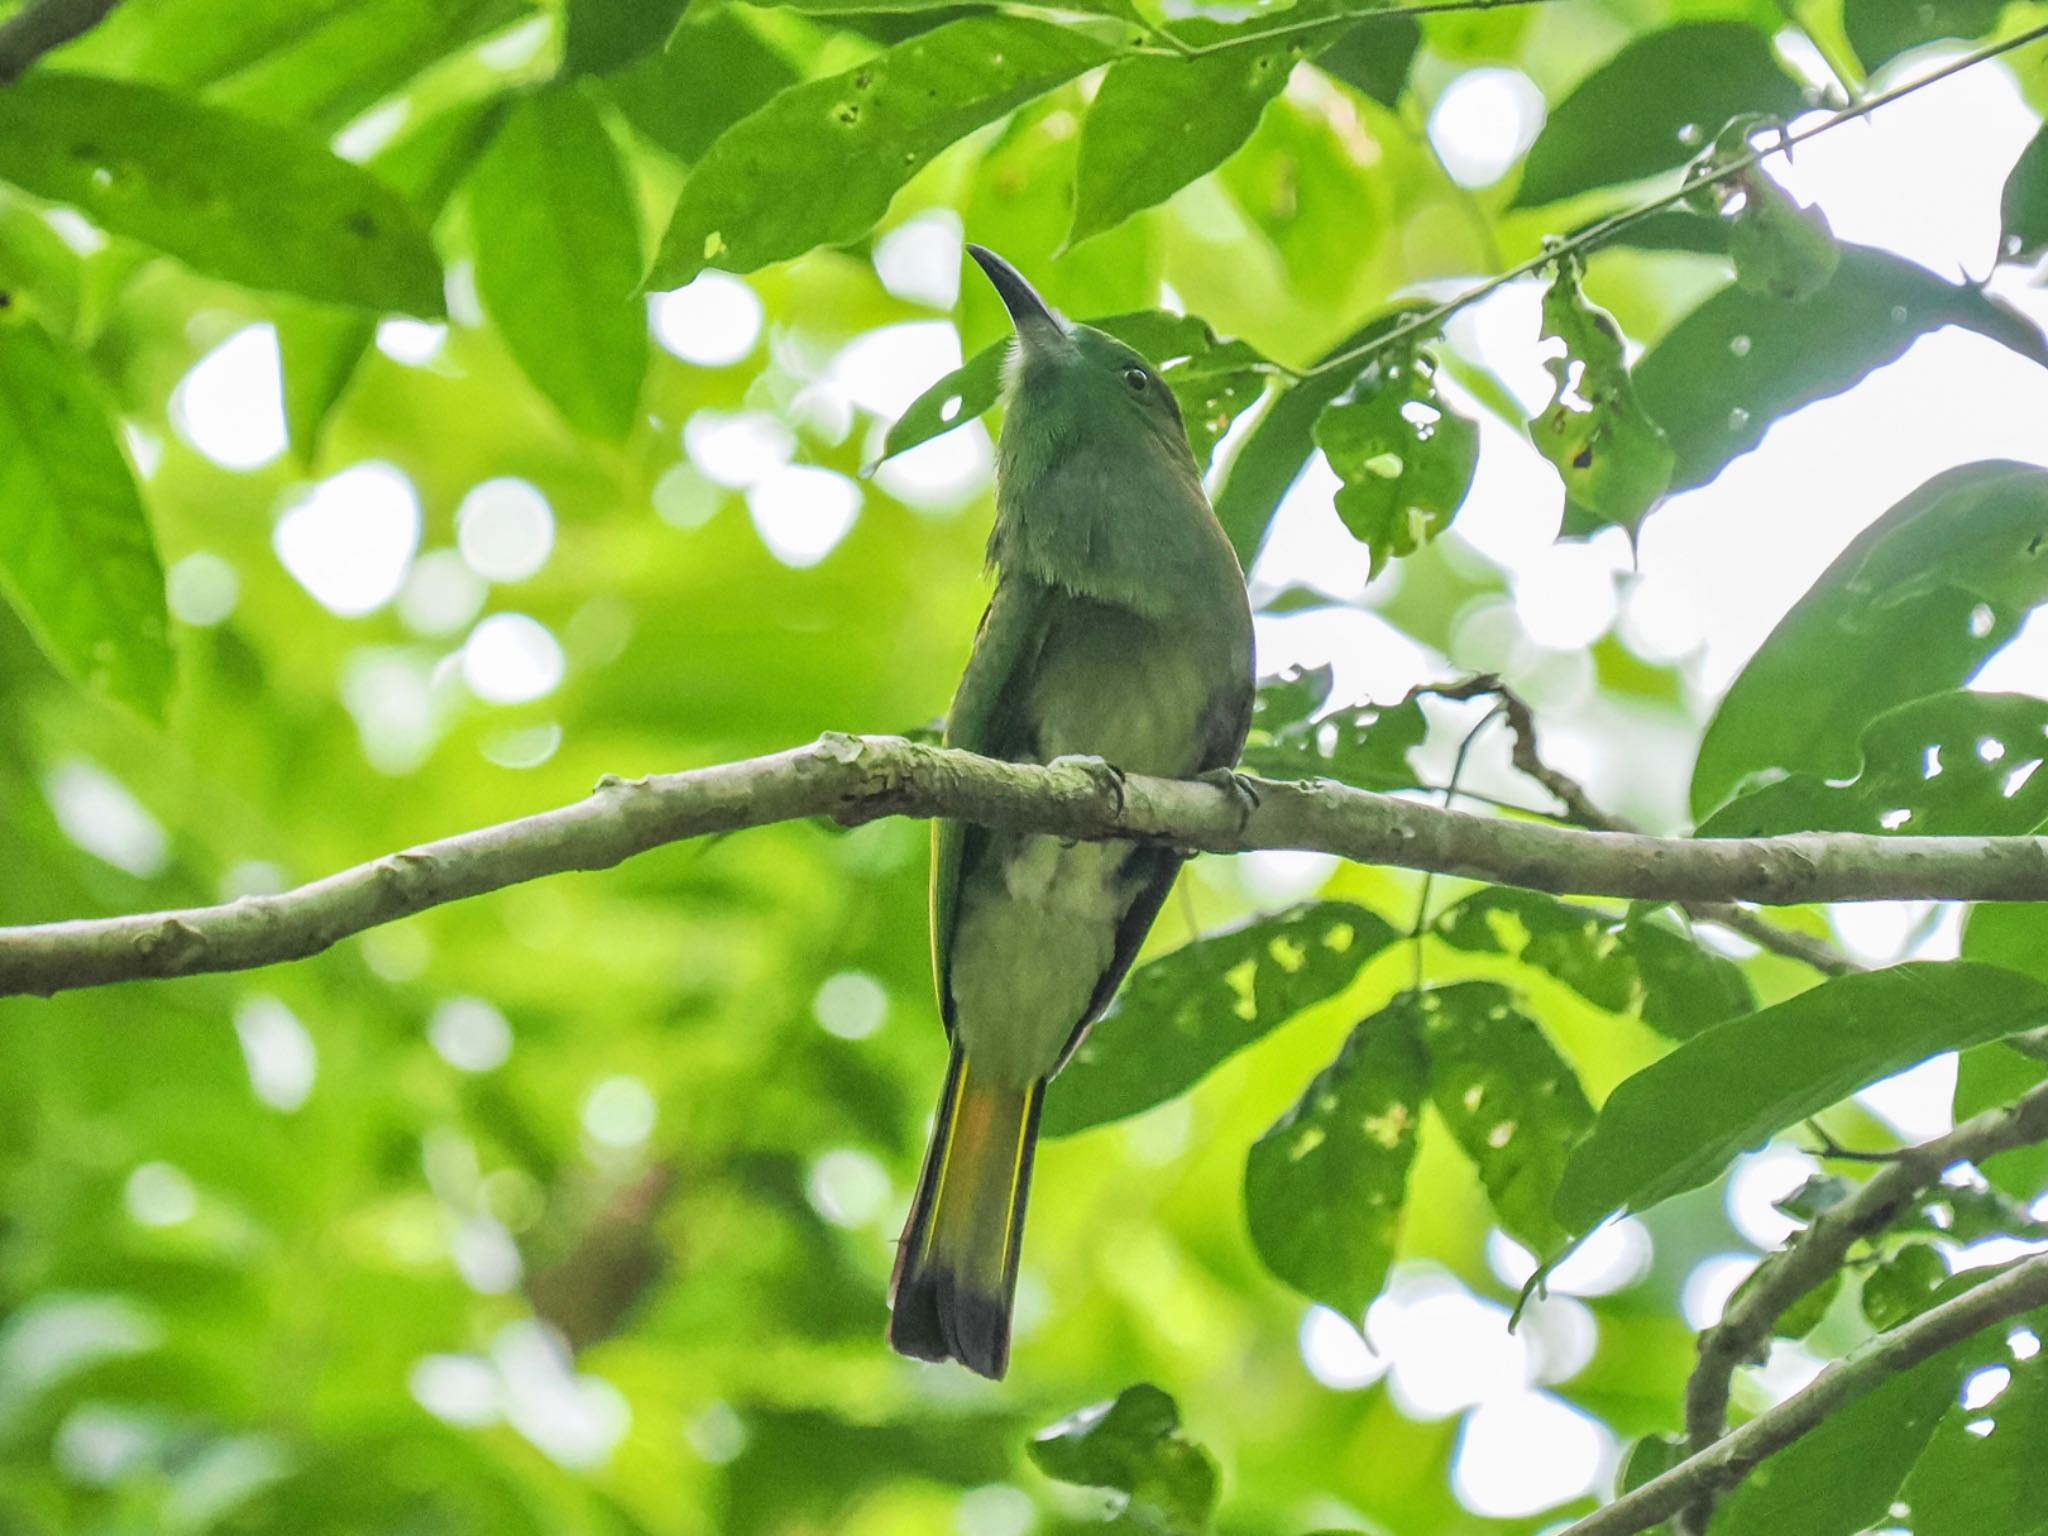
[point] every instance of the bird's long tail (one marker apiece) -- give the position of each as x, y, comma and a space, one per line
956, 1271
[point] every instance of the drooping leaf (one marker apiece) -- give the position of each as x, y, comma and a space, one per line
1134, 1447
1508, 1098
1296, 736
1677, 1123
1375, 56
1949, 765
1653, 105
715, 70
77, 560
1783, 249
1181, 1016
254, 203
2023, 205
599, 36
1325, 1186
1406, 459
1910, 608
1881, 30
558, 258
1718, 378
1612, 455
820, 161
1623, 964
1271, 457
1158, 123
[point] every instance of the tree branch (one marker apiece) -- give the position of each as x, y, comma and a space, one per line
1728, 1460
42, 25
853, 779
1819, 1250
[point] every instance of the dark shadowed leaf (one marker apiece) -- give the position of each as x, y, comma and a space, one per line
77, 560
1949, 765
1804, 1315
1612, 456
1677, 1123
599, 36
1653, 106
819, 163
715, 70
2023, 205
1508, 1098
1182, 1015
1296, 736
1374, 56
1134, 1447
1983, 1470
252, 202
558, 258
1911, 608
1406, 459
1881, 30
1324, 1188
1903, 1285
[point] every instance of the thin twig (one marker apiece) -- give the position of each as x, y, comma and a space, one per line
1818, 1251
42, 25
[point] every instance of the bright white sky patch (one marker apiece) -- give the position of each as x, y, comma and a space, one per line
919, 259
1918, 1103
97, 812
505, 529
1336, 1353
159, 1195
576, 1420
850, 1004
619, 1112
441, 594
470, 1034
1447, 1349
456, 1389
202, 589
280, 1055
231, 405
1483, 122
712, 321
1526, 1453
943, 474
1705, 1294
1758, 1182
1614, 1257
883, 370
510, 658
414, 343
736, 449
848, 1188
349, 539
802, 512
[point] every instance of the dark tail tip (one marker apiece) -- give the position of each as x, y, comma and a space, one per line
934, 1317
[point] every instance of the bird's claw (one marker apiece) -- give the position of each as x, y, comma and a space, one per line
1104, 774
1241, 787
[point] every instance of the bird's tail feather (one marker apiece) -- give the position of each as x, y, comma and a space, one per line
956, 1271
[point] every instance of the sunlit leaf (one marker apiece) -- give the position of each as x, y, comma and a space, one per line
38, 270
558, 258
77, 560
599, 36
1910, 608
254, 203
1324, 1188
1679, 1122
2023, 205
1406, 459
819, 163
1134, 1447
1653, 105
1295, 735
1181, 1016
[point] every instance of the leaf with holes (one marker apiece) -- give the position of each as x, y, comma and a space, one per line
1651, 107
558, 261
2023, 205
1325, 1186
1508, 1099
1613, 458
1680, 1121
819, 163
1903, 1286
1911, 608
77, 560
1881, 30
1950, 765
1181, 1016
251, 202
1295, 736
1134, 1447
1983, 1470
1406, 459
1213, 388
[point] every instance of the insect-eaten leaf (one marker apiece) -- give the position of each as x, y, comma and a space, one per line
1615, 461
1324, 1188
1295, 735
1181, 1016
1406, 459
1165, 1483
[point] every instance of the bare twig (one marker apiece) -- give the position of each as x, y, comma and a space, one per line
1729, 1459
858, 778
42, 25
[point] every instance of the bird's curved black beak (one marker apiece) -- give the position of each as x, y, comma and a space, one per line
1035, 319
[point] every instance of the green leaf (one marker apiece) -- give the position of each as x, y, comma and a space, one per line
1677, 1123
254, 203
39, 271
1181, 1016
1717, 380
1949, 765
1622, 964
1881, 30
1325, 1186
1910, 608
2023, 205
1271, 457
1158, 123
715, 71
1213, 388
1365, 746
1375, 56
1653, 105
1508, 1098
1134, 1447
1613, 457
558, 259
1903, 1285
1805, 1314
1968, 1483
600, 36
1783, 249
76, 557
820, 162
1405, 458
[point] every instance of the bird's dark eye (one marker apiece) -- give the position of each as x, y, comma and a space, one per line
1137, 378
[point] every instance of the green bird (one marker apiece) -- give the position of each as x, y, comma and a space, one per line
1119, 630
